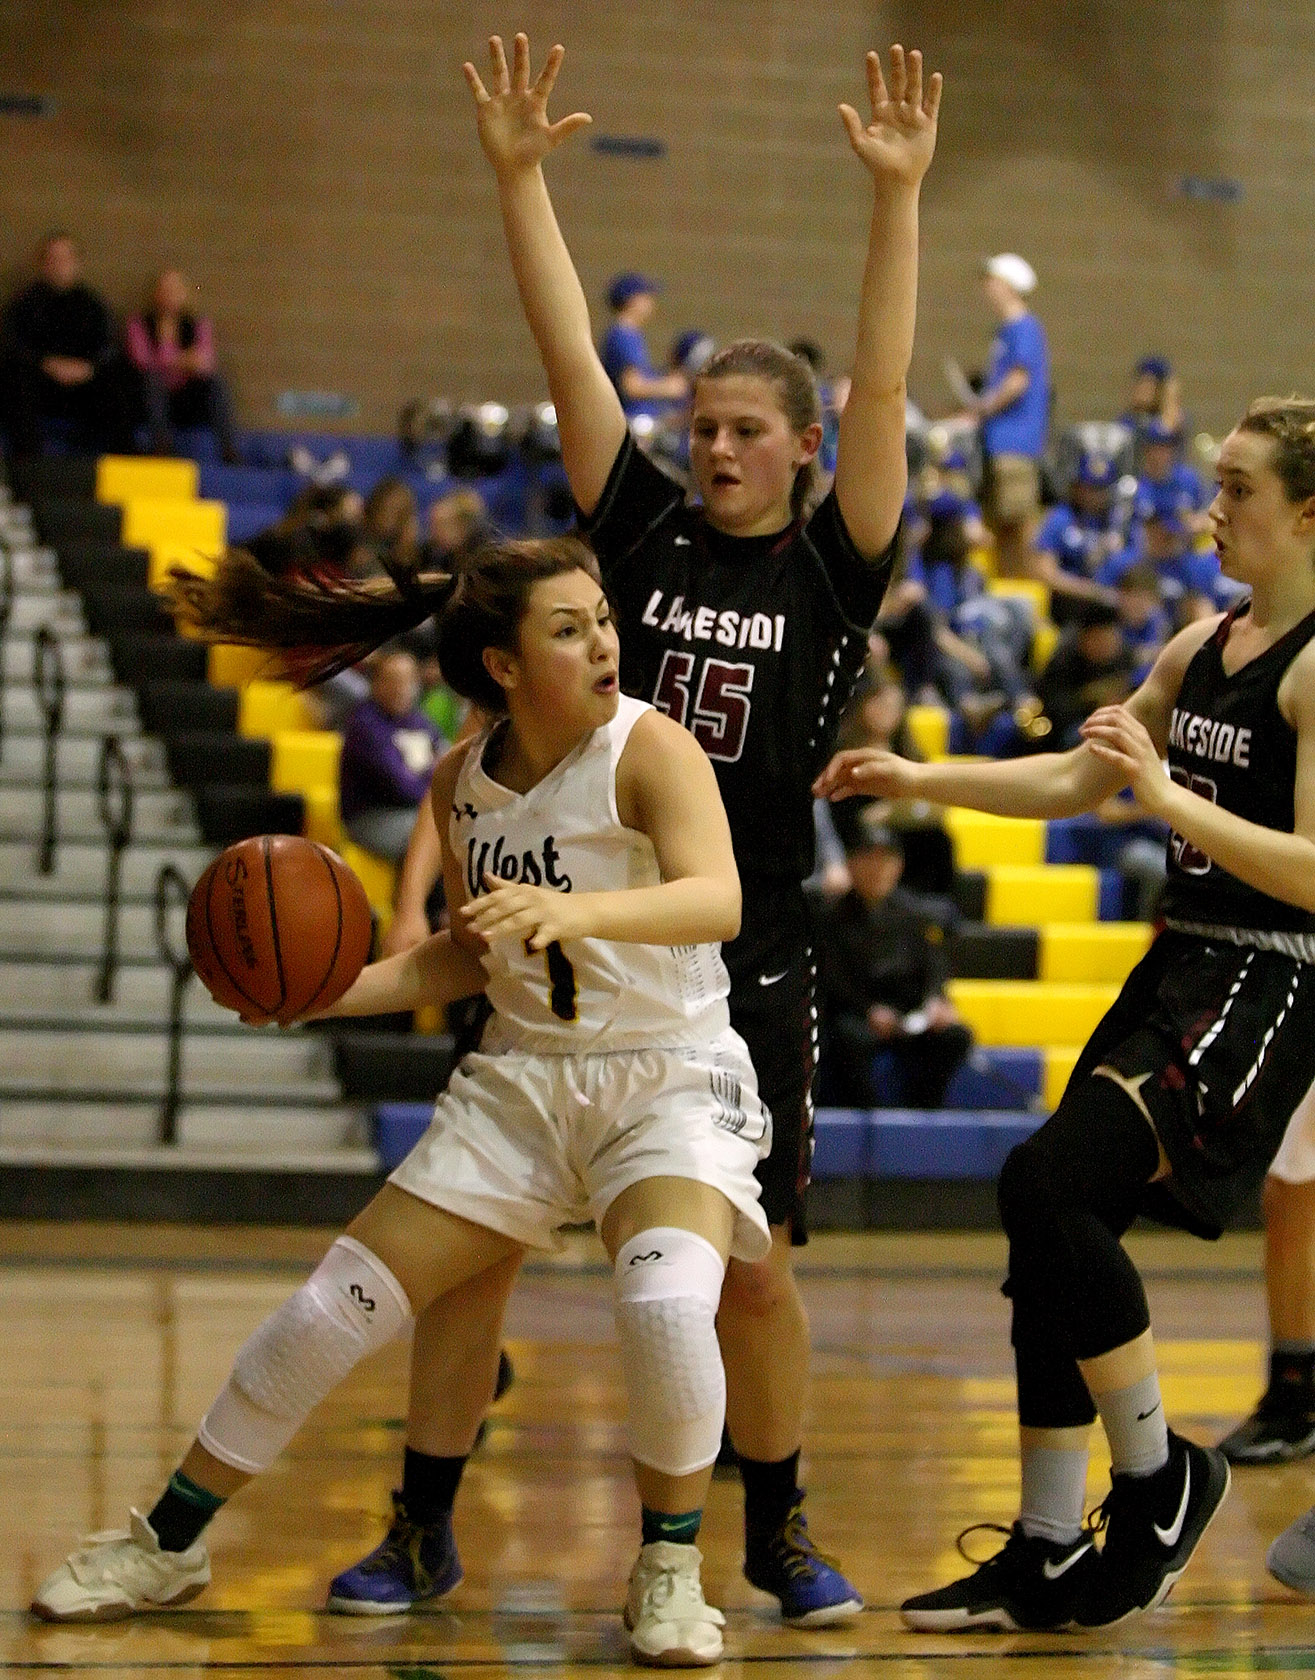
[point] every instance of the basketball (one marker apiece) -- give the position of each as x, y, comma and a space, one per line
278, 925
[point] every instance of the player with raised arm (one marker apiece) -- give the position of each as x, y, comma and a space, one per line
1182, 1095
743, 616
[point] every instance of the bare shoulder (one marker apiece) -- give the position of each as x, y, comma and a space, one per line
660, 755
443, 784
1296, 692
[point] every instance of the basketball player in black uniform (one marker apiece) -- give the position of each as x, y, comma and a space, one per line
746, 619
1180, 1100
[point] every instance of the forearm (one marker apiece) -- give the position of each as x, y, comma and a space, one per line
551, 294
438, 971
692, 911
423, 863
1046, 785
1281, 865
888, 301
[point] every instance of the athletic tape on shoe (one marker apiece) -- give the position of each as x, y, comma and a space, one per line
351, 1305
668, 1286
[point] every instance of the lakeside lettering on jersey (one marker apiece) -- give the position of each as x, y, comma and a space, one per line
1208, 738
706, 624
484, 857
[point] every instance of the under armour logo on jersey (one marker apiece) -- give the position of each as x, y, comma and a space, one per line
361, 1298
645, 1259
465, 809
680, 542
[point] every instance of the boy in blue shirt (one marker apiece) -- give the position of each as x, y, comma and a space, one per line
1168, 486
643, 391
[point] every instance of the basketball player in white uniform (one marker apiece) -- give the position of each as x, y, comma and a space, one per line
589, 870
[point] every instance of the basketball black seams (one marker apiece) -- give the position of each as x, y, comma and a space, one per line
327, 860
266, 850
232, 978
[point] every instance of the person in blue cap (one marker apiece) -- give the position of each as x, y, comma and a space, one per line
1080, 536
644, 391
1168, 486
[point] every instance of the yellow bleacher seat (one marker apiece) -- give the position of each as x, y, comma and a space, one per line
304, 758
1030, 589
985, 559
1030, 1012
981, 840
1032, 896
322, 820
265, 708
1059, 1063
175, 532
375, 875
230, 665
1091, 950
929, 729
123, 478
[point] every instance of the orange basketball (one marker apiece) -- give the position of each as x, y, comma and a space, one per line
278, 925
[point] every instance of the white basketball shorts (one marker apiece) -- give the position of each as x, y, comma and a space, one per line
1295, 1161
525, 1144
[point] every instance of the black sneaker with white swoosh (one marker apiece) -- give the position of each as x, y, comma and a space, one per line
1031, 1584
1152, 1525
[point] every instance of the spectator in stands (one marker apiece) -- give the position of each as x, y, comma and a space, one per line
389, 539
1167, 484
59, 360
1092, 666
644, 391
833, 392
458, 523
1154, 397
1147, 625
1013, 411
173, 351
321, 529
1079, 536
881, 975
389, 749
1191, 584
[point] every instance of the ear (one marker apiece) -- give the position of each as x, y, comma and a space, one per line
1306, 516
808, 442
502, 666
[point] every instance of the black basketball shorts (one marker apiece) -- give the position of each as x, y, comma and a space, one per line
1226, 1034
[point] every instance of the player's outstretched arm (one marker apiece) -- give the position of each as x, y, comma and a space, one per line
514, 130
895, 145
665, 788
437, 971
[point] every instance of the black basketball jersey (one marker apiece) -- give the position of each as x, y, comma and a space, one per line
1229, 742
753, 643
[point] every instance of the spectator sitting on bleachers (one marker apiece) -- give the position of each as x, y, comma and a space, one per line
320, 530
1153, 398
1092, 666
644, 392
1191, 583
389, 748
458, 523
881, 975
173, 351
389, 535
1079, 536
1167, 485
60, 361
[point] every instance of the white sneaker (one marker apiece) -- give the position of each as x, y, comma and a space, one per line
671, 1624
120, 1572
1291, 1558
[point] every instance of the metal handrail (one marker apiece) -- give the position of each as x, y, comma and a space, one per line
6, 613
114, 791
49, 682
172, 892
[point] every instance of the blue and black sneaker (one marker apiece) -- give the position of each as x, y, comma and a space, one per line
812, 1591
411, 1566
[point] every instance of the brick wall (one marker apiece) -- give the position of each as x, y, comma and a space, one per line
312, 163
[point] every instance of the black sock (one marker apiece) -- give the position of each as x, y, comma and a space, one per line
1292, 1375
771, 1491
182, 1512
680, 1528
429, 1485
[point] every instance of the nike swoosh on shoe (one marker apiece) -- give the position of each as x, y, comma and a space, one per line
1052, 1571
1170, 1536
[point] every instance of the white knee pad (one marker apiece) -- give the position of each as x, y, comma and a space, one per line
668, 1285
349, 1306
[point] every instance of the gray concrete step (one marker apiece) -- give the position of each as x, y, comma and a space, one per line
86, 659
42, 928
77, 761
328, 1138
35, 568
107, 710
160, 815
268, 1066
34, 993
80, 866
60, 612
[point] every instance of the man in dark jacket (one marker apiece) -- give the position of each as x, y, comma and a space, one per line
59, 359
881, 973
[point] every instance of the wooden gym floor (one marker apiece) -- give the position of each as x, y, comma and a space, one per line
115, 1340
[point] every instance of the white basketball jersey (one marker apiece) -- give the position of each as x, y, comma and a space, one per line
582, 996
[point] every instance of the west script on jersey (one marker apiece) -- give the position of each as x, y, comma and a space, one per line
536, 868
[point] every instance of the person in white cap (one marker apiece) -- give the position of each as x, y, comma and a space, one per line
1013, 410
